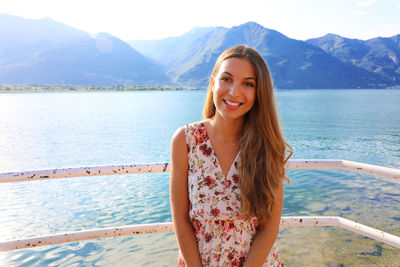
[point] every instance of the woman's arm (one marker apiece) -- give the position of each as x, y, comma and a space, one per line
265, 238
180, 200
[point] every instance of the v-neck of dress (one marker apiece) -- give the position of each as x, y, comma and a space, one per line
215, 154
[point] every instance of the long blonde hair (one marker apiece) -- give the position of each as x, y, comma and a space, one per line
263, 149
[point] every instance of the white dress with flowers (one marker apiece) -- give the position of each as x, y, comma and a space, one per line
223, 236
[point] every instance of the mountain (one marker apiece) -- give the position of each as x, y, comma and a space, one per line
378, 55
49, 52
177, 54
293, 63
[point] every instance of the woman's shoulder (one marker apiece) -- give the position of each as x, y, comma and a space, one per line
189, 133
196, 124
191, 127
184, 130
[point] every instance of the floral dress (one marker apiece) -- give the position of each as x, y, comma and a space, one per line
223, 236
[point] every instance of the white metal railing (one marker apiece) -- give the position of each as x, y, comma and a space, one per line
332, 164
129, 230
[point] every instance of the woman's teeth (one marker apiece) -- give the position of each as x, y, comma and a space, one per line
232, 103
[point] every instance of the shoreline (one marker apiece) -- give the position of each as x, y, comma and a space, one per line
89, 88
134, 88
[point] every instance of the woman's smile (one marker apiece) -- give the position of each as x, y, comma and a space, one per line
232, 104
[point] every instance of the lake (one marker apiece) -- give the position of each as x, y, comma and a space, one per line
56, 130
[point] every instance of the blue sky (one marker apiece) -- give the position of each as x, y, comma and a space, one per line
156, 19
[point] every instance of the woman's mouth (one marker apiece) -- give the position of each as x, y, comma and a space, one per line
231, 103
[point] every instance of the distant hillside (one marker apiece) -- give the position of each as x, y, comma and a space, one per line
49, 52
378, 55
293, 63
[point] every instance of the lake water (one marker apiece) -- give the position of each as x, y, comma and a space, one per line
54, 130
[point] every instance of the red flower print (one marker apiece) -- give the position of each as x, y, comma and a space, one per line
215, 212
181, 263
231, 256
241, 259
235, 178
216, 257
226, 198
207, 237
227, 182
196, 226
200, 135
209, 182
205, 149
235, 262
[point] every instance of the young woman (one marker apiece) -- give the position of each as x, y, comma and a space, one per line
227, 171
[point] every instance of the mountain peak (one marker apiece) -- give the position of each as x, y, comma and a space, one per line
255, 29
47, 19
332, 35
251, 24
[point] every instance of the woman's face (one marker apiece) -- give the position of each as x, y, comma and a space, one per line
234, 88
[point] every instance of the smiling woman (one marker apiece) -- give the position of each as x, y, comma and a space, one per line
226, 193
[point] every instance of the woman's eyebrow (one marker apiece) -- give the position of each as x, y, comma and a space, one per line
247, 78
225, 72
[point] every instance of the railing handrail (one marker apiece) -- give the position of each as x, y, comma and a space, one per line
130, 230
390, 174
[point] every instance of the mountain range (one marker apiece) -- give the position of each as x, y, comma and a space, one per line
49, 52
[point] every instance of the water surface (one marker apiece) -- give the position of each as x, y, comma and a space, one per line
55, 130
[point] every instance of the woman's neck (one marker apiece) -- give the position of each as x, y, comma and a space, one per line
227, 129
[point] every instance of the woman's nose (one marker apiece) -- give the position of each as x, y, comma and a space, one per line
234, 89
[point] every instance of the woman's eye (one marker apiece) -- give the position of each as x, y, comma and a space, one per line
249, 84
225, 79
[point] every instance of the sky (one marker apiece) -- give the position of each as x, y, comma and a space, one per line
157, 19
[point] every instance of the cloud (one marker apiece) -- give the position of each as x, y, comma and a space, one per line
359, 13
366, 3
